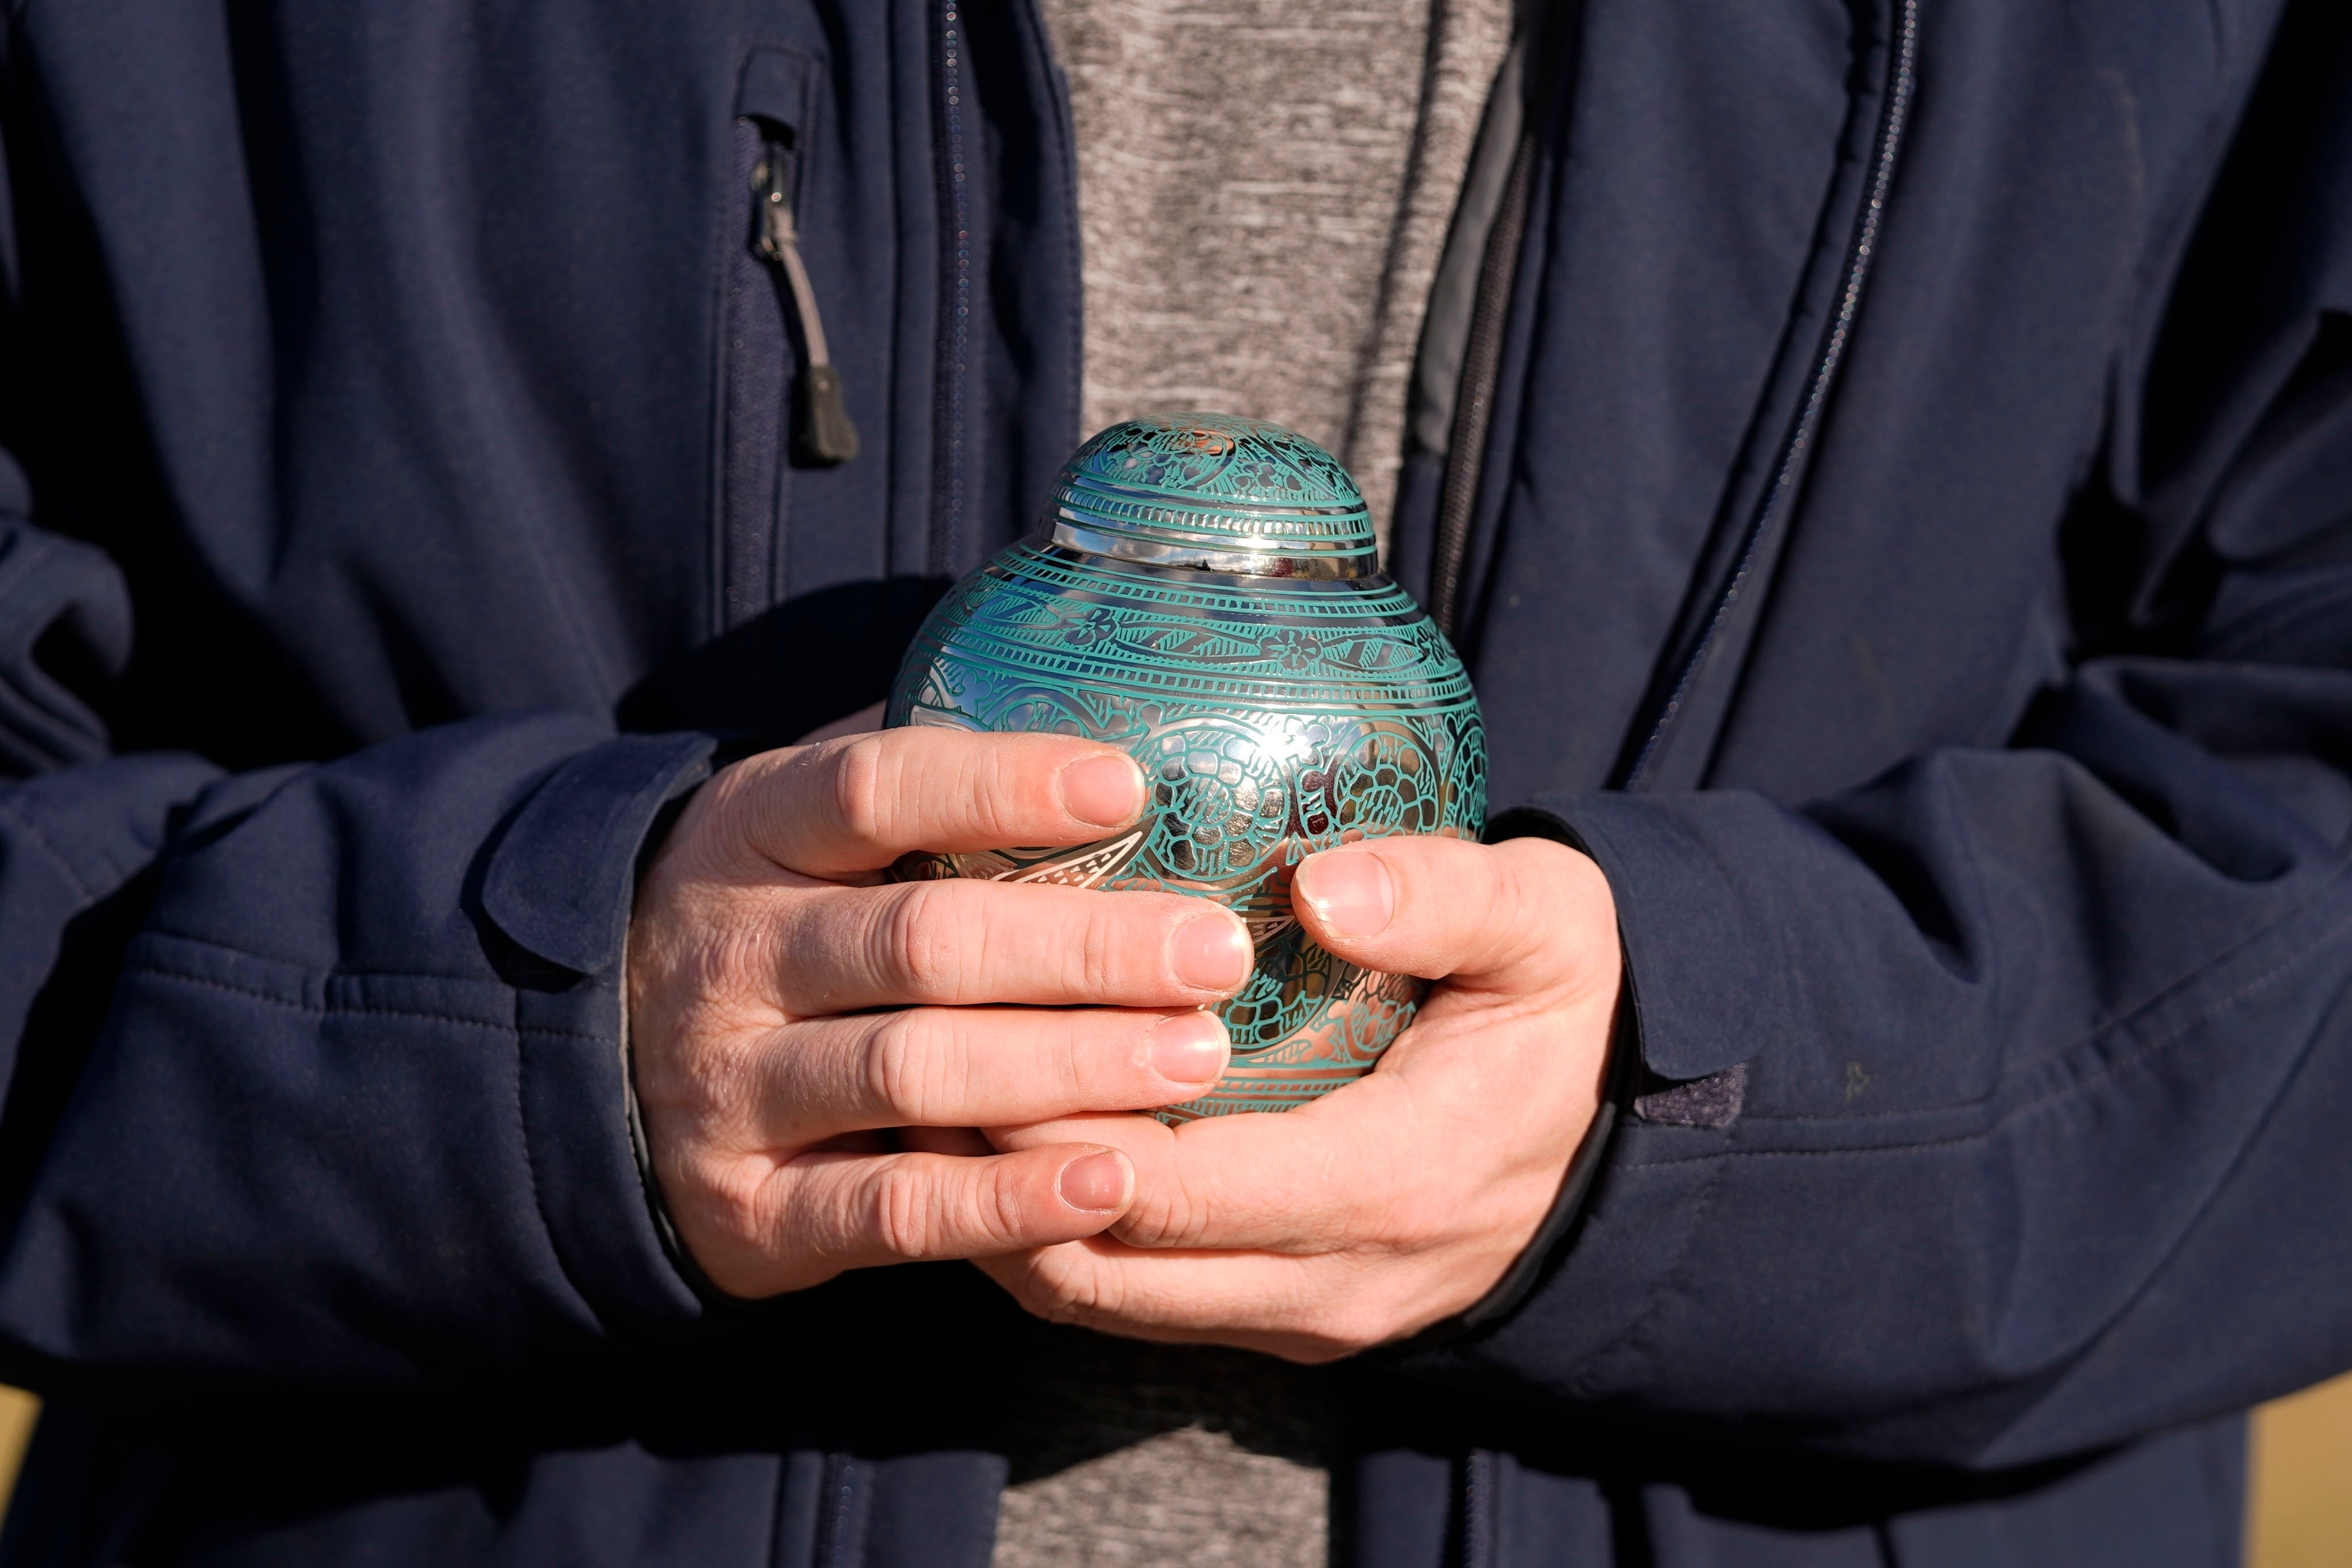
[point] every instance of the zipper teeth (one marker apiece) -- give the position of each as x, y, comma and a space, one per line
1863, 250
1477, 1504
956, 309
837, 1545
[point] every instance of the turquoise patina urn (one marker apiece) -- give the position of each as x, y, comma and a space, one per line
1206, 593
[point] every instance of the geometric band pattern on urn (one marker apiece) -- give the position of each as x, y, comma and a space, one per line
1275, 712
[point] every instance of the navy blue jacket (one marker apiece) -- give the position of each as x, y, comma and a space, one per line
1896, 501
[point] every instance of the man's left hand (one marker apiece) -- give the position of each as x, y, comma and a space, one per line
1401, 1199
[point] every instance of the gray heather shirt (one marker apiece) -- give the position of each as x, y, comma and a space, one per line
1263, 188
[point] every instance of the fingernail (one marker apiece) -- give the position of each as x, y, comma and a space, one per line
1189, 1047
1211, 952
1095, 1182
1351, 894
1105, 790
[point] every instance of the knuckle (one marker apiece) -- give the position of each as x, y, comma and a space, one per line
915, 1213
991, 788
700, 1076
737, 956
1100, 949
750, 792
722, 1200
1171, 1215
1476, 914
1195, 1215
860, 794
1517, 886
721, 1085
1008, 784
1113, 934
919, 938
1063, 1288
909, 1067
997, 1210
1097, 1054
901, 1213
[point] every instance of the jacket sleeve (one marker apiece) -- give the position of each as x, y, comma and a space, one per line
2003, 1108
313, 1074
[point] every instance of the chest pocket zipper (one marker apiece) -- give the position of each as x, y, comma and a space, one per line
780, 404
822, 431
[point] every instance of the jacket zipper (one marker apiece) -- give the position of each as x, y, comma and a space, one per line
822, 429
1796, 447
1475, 1545
951, 368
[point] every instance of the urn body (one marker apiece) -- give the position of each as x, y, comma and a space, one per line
1275, 712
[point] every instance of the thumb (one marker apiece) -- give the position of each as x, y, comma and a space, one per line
1520, 916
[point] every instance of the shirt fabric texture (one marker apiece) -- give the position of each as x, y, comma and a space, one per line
1263, 188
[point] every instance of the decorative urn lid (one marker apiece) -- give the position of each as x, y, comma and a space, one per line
1216, 492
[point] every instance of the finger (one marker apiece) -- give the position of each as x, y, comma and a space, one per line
1466, 1137
1302, 1309
1508, 913
858, 803
962, 943
1140, 1138
827, 1213
966, 1067
1322, 1178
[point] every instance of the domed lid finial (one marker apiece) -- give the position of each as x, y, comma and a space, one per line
1216, 492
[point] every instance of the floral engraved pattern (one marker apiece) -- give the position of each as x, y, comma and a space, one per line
1215, 476
1272, 718
1095, 625
1269, 726
1294, 651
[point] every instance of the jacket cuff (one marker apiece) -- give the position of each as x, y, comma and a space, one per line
1682, 922
560, 885
1673, 1071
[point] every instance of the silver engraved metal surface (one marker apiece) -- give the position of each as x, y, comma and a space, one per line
1274, 714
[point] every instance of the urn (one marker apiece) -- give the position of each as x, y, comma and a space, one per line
1206, 593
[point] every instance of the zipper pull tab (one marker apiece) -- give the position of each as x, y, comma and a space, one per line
778, 231
821, 424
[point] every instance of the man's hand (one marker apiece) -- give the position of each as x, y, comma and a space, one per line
1401, 1199
764, 944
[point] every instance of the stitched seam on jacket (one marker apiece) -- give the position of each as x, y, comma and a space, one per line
515, 1028
325, 1010
2089, 1080
1639, 1342
2122, 1020
214, 945
530, 1173
2189, 1225
41, 842
1635, 1345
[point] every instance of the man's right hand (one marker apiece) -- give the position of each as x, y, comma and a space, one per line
788, 1006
